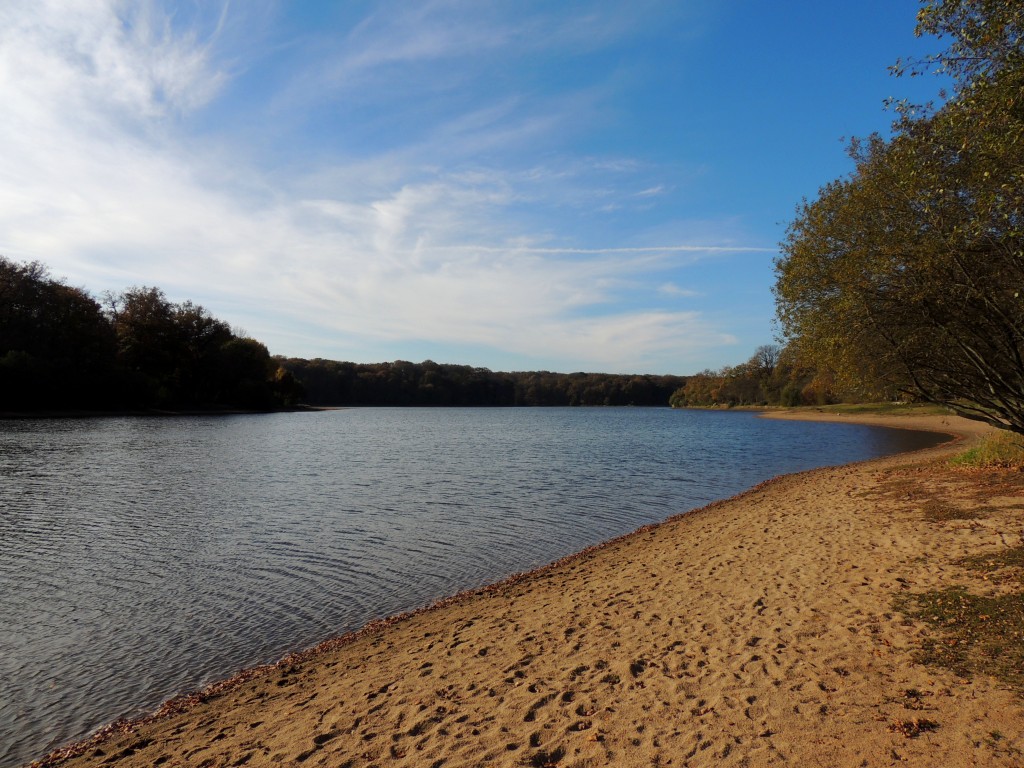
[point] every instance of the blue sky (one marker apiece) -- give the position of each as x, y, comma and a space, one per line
596, 186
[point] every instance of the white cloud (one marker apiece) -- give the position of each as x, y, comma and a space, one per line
399, 33
671, 289
99, 180
660, 189
99, 58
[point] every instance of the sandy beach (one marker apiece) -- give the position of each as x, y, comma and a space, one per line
757, 631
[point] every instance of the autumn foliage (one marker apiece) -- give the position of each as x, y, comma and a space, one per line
908, 275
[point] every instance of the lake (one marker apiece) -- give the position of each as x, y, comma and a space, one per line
145, 557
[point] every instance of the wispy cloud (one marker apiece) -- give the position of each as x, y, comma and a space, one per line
104, 59
660, 189
654, 249
671, 289
101, 178
396, 34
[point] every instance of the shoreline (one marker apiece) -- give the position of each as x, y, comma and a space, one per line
520, 699
955, 426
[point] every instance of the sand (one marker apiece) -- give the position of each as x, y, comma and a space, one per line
757, 631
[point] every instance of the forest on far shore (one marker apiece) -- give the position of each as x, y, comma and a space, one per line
61, 349
402, 383
772, 376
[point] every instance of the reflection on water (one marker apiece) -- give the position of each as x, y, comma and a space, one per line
143, 557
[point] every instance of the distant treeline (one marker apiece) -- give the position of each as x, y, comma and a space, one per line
61, 349
401, 383
772, 376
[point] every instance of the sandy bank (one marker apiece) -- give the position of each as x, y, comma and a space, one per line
756, 631
948, 424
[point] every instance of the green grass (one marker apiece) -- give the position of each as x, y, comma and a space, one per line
974, 633
1002, 449
1007, 564
883, 409
877, 409
977, 629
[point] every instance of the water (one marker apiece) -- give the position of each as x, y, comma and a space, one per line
144, 557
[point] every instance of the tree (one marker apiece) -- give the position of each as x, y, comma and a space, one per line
909, 275
986, 38
199, 341
56, 348
179, 355
247, 375
147, 336
765, 358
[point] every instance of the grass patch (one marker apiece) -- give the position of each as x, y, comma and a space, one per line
919, 488
942, 492
1002, 449
975, 634
940, 511
884, 409
968, 633
1010, 560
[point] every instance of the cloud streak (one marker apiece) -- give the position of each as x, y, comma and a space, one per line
648, 249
